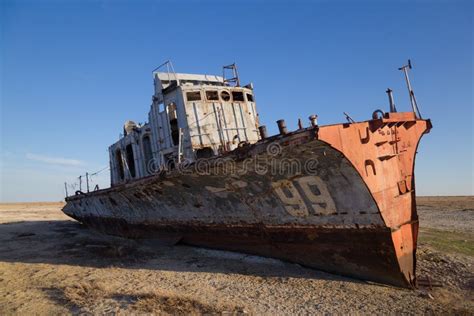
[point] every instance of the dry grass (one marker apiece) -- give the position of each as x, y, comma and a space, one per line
82, 294
452, 203
172, 304
86, 294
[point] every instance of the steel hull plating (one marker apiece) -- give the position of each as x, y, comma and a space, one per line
364, 253
301, 197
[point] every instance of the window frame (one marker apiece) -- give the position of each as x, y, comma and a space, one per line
247, 94
237, 92
217, 95
193, 92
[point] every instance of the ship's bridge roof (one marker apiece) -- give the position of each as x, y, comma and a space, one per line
166, 77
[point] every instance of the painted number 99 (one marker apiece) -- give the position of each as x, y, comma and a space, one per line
298, 196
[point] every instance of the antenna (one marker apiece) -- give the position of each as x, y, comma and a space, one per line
414, 105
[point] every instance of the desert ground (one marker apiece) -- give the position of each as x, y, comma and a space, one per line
51, 264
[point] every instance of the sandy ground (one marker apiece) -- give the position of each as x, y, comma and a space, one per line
50, 264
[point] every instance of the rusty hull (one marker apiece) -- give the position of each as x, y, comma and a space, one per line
351, 211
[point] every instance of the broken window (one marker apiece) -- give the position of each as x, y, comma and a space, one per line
225, 96
119, 162
238, 95
147, 154
249, 97
193, 96
173, 119
212, 95
130, 160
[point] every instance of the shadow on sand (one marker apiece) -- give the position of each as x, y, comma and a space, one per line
70, 243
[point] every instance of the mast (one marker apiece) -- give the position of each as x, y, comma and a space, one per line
413, 102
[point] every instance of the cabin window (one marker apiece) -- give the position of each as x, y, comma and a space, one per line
130, 160
193, 96
173, 119
212, 95
147, 154
119, 163
238, 95
249, 97
225, 96
205, 152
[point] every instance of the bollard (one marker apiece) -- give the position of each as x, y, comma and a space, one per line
282, 127
263, 131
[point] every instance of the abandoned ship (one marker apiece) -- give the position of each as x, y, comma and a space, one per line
203, 171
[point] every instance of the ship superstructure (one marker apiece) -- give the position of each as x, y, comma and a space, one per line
192, 116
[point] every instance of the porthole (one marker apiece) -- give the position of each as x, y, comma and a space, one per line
225, 96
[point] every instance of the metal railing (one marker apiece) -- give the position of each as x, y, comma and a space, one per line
87, 179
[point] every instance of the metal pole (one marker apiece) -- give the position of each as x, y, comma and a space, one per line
179, 144
413, 102
219, 127
236, 75
348, 118
390, 100
87, 181
80, 183
410, 92
300, 124
65, 188
416, 105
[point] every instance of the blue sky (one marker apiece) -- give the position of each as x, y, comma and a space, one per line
72, 72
